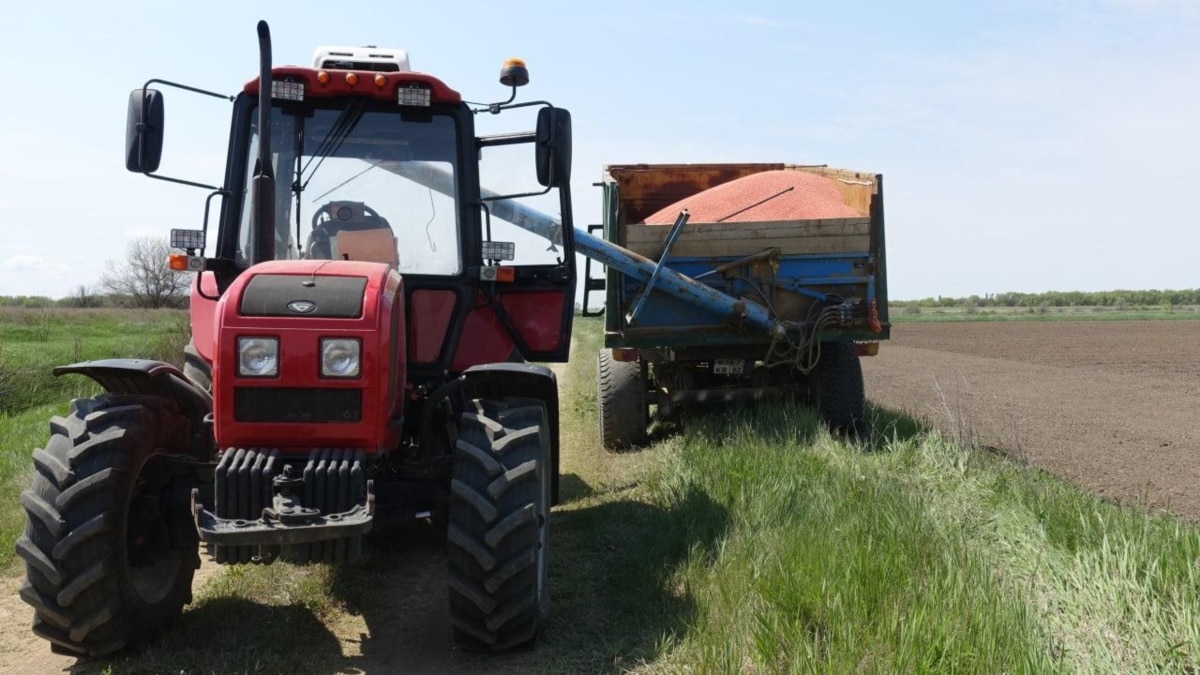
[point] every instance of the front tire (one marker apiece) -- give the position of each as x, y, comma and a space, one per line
497, 538
195, 368
108, 548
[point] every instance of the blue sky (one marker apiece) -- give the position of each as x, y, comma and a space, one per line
1026, 146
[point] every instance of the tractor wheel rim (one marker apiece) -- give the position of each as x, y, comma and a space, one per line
155, 581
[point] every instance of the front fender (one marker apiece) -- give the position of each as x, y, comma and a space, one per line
498, 381
152, 378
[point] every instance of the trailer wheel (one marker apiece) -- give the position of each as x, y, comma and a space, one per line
109, 549
624, 415
497, 538
837, 386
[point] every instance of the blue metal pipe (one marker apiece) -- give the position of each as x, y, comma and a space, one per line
671, 282
621, 259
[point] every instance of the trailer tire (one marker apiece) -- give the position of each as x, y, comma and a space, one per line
195, 368
624, 414
837, 384
497, 538
109, 552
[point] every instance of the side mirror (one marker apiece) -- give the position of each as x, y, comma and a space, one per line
553, 147
144, 131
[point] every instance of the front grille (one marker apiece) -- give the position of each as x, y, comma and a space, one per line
301, 406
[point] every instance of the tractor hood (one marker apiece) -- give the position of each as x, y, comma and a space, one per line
309, 353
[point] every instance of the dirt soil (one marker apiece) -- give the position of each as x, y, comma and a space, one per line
1111, 405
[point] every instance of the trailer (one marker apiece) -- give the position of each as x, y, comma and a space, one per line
721, 311
786, 306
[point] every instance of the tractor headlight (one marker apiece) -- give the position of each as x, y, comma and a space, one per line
340, 357
258, 357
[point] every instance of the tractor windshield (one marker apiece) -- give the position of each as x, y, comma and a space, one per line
361, 182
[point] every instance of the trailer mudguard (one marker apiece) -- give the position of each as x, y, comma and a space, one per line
498, 381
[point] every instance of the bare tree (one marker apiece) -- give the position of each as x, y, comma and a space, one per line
142, 276
83, 297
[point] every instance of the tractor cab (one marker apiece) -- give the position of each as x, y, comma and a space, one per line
372, 162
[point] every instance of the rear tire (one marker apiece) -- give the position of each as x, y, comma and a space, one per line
195, 368
109, 554
497, 538
624, 414
837, 384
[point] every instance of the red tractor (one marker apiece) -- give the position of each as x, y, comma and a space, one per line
359, 354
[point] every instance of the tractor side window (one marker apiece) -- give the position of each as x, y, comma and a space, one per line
532, 224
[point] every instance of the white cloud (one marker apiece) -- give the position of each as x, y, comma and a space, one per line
33, 263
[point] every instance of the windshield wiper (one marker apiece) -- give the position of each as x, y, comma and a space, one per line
342, 126
347, 119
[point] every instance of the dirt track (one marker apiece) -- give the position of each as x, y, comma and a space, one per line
1111, 405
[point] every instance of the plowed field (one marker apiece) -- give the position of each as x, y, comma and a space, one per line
1111, 405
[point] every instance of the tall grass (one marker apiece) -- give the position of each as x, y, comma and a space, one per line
832, 562
34, 341
908, 553
19, 435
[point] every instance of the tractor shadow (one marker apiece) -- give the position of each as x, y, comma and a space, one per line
612, 577
229, 635
611, 573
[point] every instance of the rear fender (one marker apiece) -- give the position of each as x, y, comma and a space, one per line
498, 381
154, 378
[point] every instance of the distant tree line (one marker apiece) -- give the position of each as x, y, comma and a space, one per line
84, 297
1118, 299
141, 279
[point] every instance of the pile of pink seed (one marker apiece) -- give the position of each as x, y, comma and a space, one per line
766, 196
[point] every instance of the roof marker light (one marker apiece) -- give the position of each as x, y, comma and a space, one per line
322, 77
351, 79
381, 80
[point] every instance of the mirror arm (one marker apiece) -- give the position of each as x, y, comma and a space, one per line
185, 87
146, 113
180, 181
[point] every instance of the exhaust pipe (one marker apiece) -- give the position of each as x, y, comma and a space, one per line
263, 184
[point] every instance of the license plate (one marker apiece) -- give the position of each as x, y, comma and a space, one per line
729, 366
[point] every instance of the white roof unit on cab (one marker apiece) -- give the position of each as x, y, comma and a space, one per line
361, 58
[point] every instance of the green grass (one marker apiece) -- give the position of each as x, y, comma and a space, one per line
747, 540
912, 554
19, 435
34, 341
